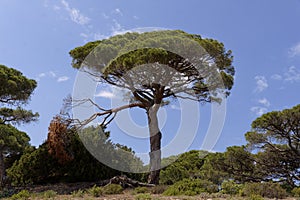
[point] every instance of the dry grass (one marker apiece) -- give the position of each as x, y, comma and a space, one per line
46, 192
129, 195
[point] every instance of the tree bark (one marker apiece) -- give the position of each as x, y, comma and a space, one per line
2, 170
155, 144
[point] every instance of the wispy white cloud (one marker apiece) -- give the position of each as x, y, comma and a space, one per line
75, 14
295, 50
135, 17
62, 78
52, 74
118, 11
105, 94
292, 75
99, 36
84, 35
116, 28
93, 36
261, 83
259, 110
265, 102
105, 16
276, 77
262, 108
41, 75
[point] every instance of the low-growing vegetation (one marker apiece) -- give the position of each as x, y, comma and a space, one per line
159, 189
79, 193
268, 190
140, 190
230, 187
95, 191
112, 189
145, 196
22, 195
296, 192
191, 187
49, 194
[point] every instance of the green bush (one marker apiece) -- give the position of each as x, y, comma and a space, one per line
267, 189
187, 165
230, 187
296, 192
79, 193
143, 197
39, 166
23, 195
191, 187
113, 189
159, 189
32, 167
49, 194
95, 191
140, 190
173, 174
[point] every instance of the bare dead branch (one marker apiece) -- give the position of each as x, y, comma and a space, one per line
106, 113
83, 101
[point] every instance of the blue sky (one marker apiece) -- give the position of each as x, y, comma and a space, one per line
264, 36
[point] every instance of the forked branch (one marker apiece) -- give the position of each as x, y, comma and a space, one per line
107, 114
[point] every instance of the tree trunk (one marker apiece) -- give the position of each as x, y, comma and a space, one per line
2, 170
155, 144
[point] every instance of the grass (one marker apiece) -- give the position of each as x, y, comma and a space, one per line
49, 194
143, 196
78, 193
95, 191
98, 193
113, 189
23, 195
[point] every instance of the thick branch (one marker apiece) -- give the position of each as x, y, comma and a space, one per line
108, 113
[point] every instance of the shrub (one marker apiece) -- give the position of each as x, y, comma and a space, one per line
173, 174
23, 195
140, 190
49, 194
41, 166
186, 166
191, 187
95, 191
230, 187
79, 193
296, 192
267, 189
113, 189
143, 197
32, 167
159, 189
